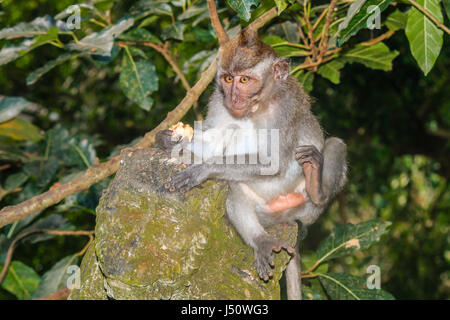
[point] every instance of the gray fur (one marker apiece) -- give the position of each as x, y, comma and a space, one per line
283, 105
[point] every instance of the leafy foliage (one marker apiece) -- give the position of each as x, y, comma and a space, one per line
341, 286
243, 7
138, 80
425, 39
359, 15
38, 27
349, 238
55, 278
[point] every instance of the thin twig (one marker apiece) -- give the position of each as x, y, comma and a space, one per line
380, 38
314, 64
324, 41
311, 41
27, 234
430, 16
302, 34
320, 18
215, 21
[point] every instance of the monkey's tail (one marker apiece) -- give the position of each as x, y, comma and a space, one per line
293, 277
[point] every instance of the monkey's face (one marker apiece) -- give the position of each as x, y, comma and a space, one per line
241, 92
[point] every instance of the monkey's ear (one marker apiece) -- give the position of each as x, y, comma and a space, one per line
281, 68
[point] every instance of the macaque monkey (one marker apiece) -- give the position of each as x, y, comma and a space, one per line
254, 92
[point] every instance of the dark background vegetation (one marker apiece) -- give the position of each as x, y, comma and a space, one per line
399, 165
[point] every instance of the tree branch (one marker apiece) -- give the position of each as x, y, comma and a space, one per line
324, 42
215, 21
382, 37
101, 171
54, 232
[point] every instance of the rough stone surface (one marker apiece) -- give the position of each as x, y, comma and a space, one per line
152, 244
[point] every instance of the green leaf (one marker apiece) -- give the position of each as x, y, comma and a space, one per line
38, 73
104, 5
446, 4
341, 286
308, 260
193, 11
102, 61
306, 79
359, 14
137, 52
101, 43
396, 20
19, 129
204, 35
310, 294
37, 27
11, 52
174, 31
148, 21
138, 80
199, 61
139, 35
425, 39
287, 30
56, 278
284, 48
15, 180
21, 280
4, 246
331, 70
152, 6
281, 5
12, 182
11, 107
243, 7
348, 238
51, 35
375, 56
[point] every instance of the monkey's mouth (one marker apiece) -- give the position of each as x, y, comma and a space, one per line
238, 112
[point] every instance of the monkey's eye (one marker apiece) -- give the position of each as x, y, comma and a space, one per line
228, 79
244, 79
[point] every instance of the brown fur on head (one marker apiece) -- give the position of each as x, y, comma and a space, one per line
246, 52
250, 70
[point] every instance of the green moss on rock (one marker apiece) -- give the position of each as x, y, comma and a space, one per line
151, 244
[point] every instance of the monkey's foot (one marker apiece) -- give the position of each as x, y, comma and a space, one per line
264, 254
312, 162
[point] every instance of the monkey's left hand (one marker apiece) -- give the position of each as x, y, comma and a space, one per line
312, 162
187, 179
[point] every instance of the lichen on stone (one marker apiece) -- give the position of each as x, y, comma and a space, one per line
152, 244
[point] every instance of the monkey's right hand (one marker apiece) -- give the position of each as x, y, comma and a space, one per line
167, 139
265, 246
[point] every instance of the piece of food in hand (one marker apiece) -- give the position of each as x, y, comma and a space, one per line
183, 130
